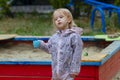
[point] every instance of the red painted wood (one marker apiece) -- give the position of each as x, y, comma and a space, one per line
25, 70
24, 78
33, 78
89, 71
39, 72
85, 78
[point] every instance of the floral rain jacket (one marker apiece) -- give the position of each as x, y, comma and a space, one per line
66, 49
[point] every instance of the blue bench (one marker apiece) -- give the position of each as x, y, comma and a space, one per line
100, 6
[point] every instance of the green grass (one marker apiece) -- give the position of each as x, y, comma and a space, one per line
112, 25
41, 25
27, 25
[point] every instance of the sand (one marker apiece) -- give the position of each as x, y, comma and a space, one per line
117, 76
91, 50
26, 52
22, 52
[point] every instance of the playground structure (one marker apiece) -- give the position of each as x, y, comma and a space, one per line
101, 66
99, 6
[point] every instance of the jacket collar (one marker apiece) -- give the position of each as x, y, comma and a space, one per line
69, 31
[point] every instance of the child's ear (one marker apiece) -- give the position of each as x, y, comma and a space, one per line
69, 21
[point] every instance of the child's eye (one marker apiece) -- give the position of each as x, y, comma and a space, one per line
61, 16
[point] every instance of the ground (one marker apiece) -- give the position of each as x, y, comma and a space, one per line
117, 76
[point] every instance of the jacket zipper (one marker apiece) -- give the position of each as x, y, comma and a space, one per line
58, 56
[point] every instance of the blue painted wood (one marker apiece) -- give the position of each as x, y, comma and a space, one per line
91, 64
31, 38
110, 50
26, 62
88, 38
46, 38
44, 63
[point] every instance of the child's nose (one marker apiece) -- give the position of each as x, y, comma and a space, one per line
58, 19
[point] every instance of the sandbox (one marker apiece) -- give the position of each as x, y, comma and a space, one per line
20, 61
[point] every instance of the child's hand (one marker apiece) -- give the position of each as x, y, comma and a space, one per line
73, 75
36, 44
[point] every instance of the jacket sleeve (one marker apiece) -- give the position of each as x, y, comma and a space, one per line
45, 46
77, 46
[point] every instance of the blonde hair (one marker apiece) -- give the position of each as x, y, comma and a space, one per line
68, 14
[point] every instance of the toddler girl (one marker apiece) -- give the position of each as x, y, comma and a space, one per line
65, 46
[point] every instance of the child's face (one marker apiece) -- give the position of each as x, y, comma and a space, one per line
60, 21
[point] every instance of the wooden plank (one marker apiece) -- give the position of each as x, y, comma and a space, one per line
33, 78
7, 36
23, 78
88, 71
93, 58
85, 78
112, 39
106, 38
100, 36
40, 72
25, 70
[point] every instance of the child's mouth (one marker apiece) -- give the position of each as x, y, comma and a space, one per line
59, 23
